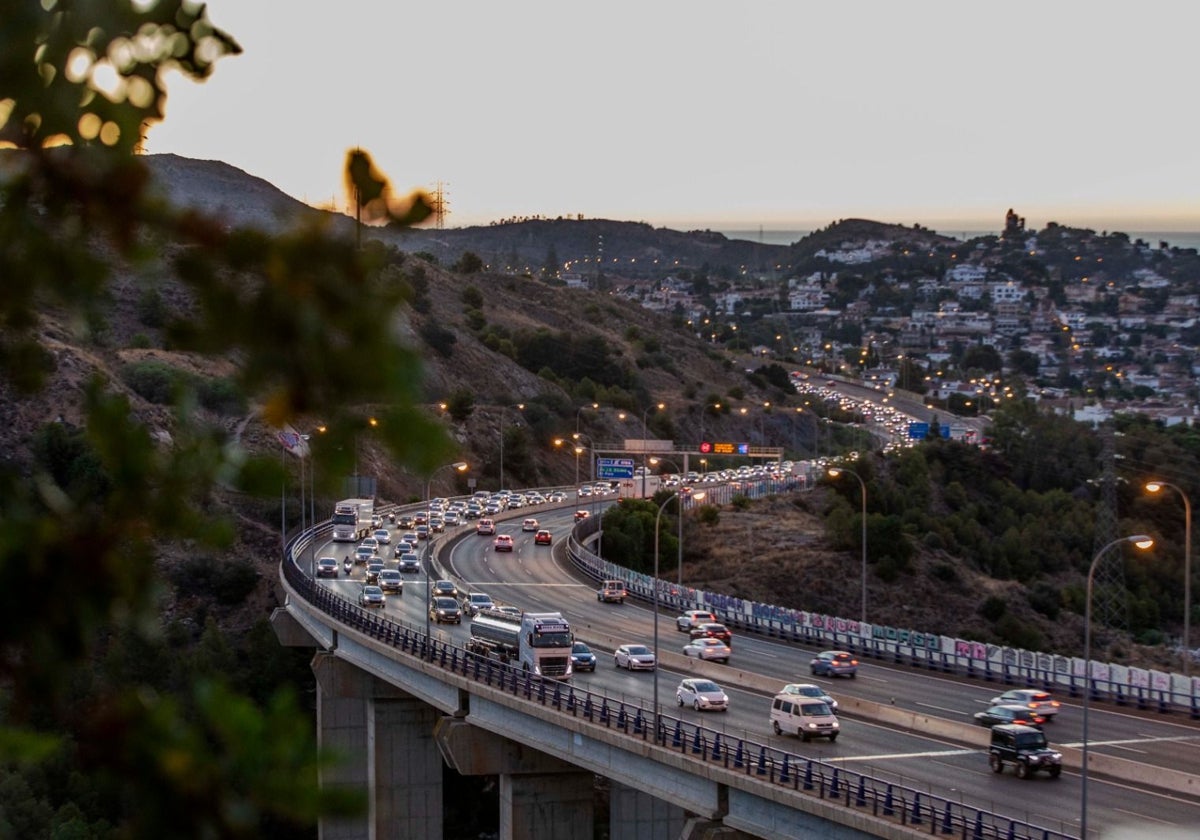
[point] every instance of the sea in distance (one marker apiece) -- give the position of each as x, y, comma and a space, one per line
1175, 239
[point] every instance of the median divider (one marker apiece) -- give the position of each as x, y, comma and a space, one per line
968, 734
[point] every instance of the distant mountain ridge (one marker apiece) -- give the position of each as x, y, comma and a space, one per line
625, 248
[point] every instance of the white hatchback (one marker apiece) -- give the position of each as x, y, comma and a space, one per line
702, 695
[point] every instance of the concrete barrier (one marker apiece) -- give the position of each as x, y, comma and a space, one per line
967, 734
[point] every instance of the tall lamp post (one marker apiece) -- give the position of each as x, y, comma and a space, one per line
594, 407
655, 462
1154, 487
645, 415
834, 472
591, 450
459, 466
503, 409
716, 407
658, 521
1143, 542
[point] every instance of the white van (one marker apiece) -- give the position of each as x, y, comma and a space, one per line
807, 717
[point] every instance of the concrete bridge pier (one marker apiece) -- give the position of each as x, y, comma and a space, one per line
637, 815
383, 742
541, 797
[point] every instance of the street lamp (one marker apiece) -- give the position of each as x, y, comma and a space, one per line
579, 450
520, 407
716, 407
657, 521
1154, 487
594, 407
1143, 542
645, 415
655, 462
459, 466
834, 472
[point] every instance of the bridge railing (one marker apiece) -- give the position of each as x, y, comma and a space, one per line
1121, 685
903, 804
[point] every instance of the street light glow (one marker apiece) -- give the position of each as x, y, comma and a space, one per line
1143, 542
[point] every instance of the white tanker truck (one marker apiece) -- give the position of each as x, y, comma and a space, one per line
539, 642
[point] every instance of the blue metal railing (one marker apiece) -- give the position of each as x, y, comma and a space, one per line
807, 776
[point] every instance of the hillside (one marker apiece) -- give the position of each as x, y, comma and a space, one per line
499, 339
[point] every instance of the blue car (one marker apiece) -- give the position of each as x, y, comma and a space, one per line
582, 658
834, 663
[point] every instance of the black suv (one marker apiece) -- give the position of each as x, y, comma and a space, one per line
1024, 747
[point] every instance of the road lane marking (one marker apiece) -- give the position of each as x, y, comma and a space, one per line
1144, 816
889, 756
1130, 749
1146, 740
941, 708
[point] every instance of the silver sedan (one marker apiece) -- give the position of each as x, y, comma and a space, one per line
710, 649
634, 657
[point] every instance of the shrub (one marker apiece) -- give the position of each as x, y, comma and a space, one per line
222, 396
440, 339
888, 569
472, 298
461, 405
1019, 634
708, 515
993, 608
468, 263
152, 381
151, 310
945, 572
475, 320
229, 582
740, 502
1045, 599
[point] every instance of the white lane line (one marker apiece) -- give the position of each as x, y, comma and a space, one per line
1130, 749
1147, 740
1144, 817
926, 754
941, 708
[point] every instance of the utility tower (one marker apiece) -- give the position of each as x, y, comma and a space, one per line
1109, 599
441, 205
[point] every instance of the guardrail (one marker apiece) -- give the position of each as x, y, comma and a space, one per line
1121, 685
896, 802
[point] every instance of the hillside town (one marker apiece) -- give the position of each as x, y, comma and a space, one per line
1089, 323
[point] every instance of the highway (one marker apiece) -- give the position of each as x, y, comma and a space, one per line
539, 578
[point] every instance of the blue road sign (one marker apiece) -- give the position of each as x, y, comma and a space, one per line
920, 431
614, 468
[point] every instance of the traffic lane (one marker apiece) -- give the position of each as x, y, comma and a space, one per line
906, 758
475, 565
941, 767
1157, 742
1165, 742
1160, 741
876, 682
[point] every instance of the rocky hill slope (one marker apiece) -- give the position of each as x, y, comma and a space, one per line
776, 551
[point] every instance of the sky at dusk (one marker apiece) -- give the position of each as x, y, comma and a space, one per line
697, 114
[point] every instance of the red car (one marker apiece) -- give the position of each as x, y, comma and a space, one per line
503, 543
581, 515
543, 537
712, 630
